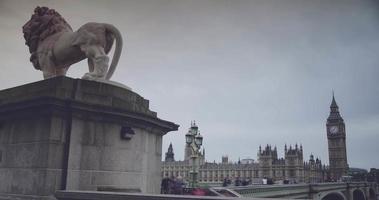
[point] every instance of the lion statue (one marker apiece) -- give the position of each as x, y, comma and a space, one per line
54, 47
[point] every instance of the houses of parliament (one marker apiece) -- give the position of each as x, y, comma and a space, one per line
292, 167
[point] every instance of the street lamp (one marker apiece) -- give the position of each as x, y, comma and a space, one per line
189, 138
194, 140
198, 140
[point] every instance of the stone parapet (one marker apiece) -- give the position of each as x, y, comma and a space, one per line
80, 195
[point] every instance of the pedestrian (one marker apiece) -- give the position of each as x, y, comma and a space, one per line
178, 185
171, 185
224, 182
165, 185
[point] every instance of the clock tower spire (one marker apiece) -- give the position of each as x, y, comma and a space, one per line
336, 133
334, 113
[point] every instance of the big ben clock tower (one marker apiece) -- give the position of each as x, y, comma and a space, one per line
335, 128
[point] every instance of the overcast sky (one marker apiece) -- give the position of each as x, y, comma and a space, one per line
249, 72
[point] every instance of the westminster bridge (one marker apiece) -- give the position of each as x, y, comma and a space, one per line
321, 191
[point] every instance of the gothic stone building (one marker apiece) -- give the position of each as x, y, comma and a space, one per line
291, 167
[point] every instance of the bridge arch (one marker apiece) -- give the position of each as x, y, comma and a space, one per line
334, 196
371, 194
358, 194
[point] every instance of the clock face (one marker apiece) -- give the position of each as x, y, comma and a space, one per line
333, 129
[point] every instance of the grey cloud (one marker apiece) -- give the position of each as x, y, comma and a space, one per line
250, 72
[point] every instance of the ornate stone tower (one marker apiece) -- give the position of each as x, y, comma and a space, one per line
169, 154
266, 158
335, 128
294, 165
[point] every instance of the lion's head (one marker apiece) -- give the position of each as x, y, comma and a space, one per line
43, 23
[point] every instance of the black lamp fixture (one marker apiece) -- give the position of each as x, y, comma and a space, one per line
189, 138
198, 140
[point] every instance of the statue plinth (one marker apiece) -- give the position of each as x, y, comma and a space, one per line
73, 134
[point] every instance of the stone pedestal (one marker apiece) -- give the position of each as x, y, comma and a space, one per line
73, 134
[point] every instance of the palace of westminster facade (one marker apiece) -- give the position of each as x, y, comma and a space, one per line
292, 167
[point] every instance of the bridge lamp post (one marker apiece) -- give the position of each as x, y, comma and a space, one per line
194, 141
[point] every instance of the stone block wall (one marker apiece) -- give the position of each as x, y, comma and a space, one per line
100, 160
65, 133
31, 156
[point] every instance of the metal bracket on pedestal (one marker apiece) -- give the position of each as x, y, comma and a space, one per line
126, 133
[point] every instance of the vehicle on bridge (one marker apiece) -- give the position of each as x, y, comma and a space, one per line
346, 179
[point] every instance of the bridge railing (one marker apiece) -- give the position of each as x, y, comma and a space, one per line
296, 190
273, 190
94, 195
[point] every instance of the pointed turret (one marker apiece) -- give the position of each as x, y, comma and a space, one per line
311, 157
334, 114
170, 149
170, 154
334, 103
